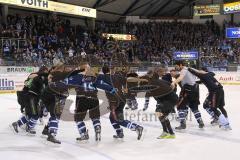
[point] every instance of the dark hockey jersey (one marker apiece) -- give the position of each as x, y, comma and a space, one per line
87, 85
117, 81
207, 79
38, 84
167, 77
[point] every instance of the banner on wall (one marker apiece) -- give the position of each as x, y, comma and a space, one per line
14, 69
10, 83
185, 55
123, 37
207, 10
231, 7
233, 32
232, 78
53, 7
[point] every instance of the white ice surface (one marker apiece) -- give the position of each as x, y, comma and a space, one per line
193, 144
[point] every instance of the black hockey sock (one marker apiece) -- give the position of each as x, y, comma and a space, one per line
163, 122
216, 112
164, 125
224, 112
169, 127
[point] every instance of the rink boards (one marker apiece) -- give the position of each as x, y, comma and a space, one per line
10, 82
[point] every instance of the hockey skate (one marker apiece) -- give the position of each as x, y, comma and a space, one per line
163, 135
200, 124
119, 134
170, 136
52, 138
139, 130
214, 122
167, 136
225, 127
83, 137
45, 131
182, 126
30, 131
14, 126
224, 123
98, 133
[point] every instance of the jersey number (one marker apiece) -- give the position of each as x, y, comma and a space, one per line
88, 86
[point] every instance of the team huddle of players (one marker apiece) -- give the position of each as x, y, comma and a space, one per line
48, 90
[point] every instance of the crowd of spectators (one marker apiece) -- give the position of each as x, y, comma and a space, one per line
37, 40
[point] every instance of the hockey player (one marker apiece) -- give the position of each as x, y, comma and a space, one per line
165, 103
215, 99
43, 112
189, 96
131, 97
86, 84
160, 73
147, 97
21, 94
55, 103
54, 97
117, 103
33, 89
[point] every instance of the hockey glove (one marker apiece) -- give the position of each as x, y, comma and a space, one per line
114, 91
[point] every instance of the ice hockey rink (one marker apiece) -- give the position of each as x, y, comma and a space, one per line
194, 143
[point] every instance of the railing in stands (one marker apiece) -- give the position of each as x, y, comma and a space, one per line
18, 42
